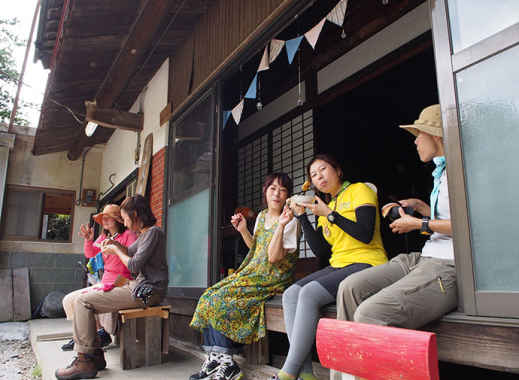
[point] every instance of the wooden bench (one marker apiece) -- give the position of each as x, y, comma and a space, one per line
143, 336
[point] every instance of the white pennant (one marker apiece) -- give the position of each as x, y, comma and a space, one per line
264, 64
336, 15
237, 111
275, 48
313, 34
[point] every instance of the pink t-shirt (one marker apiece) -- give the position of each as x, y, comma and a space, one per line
113, 266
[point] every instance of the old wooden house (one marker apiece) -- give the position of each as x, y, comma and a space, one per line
183, 70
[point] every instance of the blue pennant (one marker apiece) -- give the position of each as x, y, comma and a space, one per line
251, 92
292, 46
226, 115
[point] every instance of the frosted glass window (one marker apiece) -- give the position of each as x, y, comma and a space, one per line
474, 20
188, 214
489, 113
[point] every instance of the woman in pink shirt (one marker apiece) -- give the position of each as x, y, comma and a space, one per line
115, 272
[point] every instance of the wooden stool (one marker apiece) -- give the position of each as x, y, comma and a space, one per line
144, 346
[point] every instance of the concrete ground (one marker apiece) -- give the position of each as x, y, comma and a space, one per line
180, 365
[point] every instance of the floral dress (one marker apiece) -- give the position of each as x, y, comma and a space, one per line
235, 306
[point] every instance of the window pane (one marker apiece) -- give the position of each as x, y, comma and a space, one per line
489, 114
188, 215
475, 20
23, 214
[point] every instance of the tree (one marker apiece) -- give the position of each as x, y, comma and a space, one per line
8, 73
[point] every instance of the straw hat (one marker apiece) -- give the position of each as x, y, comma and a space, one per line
113, 211
429, 121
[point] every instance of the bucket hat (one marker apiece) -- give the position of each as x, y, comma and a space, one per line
429, 121
111, 210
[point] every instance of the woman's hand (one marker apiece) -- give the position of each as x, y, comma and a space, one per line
417, 204
286, 216
296, 208
86, 232
405, 223
109, 249
318, 208
239, 222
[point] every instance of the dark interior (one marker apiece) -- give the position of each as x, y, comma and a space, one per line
360, 128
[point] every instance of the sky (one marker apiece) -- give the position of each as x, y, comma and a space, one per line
35, 77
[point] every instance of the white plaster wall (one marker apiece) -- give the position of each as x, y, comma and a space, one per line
119, 152
54, 171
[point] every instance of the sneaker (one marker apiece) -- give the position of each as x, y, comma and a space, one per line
228, 371
208, 369
104, 338
69, 346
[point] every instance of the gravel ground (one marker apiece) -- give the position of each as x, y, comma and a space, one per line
17, 360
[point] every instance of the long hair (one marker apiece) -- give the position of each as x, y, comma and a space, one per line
138, 209
283, 179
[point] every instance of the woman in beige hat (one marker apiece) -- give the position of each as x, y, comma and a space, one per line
416, 288
115, 272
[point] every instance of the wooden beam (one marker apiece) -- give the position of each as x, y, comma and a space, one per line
112, 118
132, 53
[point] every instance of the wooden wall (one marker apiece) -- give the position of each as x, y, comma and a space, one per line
216, 36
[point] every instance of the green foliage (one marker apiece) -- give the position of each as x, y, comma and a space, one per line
36, 372
58, 227
8, 73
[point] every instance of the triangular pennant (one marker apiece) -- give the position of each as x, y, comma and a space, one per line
336, 15
226, 115
236, 112
292, 46
313, 34
264, 64
251, 92
275, 48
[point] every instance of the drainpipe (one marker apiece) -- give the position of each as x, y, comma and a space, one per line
78, 202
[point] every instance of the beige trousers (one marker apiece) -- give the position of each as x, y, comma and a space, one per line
87, 304
107, 320
409, 291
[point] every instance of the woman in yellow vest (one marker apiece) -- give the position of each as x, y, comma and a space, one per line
348, 227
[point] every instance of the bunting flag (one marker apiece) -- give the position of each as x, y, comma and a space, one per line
251, 92
275, 48
292, 46
226, 115
337, 14
313, 34
237, 111
264, 64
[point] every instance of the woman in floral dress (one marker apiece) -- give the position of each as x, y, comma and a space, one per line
232, 312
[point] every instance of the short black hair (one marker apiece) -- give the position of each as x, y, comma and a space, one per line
283, 179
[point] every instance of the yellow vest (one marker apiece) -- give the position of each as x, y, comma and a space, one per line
347, 250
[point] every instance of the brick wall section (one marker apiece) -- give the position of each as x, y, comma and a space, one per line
157, 184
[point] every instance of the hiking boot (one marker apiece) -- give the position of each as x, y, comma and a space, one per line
228, 371
69, 346
99, 359
209, 368
104, 338
82, 367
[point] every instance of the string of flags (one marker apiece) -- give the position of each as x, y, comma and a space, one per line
273, 50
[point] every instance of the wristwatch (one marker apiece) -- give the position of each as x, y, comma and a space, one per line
331, 217
425, 230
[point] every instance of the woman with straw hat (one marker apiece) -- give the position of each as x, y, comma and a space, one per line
115, 273
412, 289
